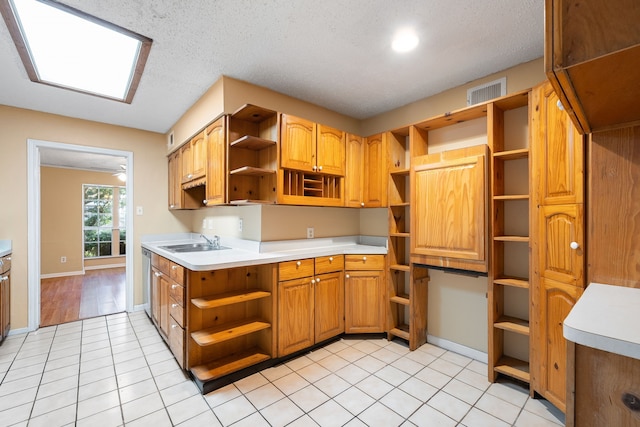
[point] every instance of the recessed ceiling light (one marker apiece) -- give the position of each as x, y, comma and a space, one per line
64, 47
405, 41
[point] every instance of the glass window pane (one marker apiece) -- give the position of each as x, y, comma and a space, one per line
105, 249
90, 250
90, 236
90, 192
105, 236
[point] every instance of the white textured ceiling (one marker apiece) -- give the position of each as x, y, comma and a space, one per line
333, 53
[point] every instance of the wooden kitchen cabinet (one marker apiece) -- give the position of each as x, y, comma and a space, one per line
366, 172
216, 170
592, 57
194, 158
558, 239
449, 209
179, 198
5, 296
365, 294
311, 302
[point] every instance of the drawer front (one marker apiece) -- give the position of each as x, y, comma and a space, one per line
155, 260
5, 265
176, 341
295, 269
176, 272
329, 264
164, 265
177, 311
177, 293
364, 262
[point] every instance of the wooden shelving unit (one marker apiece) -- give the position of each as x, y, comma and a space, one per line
253, 155
231, 315
509, 299
407, 283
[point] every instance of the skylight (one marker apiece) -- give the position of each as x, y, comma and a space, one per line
61, 46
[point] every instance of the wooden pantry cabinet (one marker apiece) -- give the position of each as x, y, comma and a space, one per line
311, 302
366, 171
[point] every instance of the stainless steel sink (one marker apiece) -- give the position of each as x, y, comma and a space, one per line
193, 247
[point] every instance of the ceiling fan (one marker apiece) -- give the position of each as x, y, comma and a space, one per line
121, 173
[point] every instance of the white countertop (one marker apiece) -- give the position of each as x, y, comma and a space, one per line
5, 247
244, 252
607, 318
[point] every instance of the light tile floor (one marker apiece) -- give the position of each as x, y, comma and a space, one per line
116, 370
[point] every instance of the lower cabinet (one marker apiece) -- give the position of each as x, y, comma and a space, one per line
364, 294
311, 302
5, 296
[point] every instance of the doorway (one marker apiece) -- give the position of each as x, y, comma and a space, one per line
92, 159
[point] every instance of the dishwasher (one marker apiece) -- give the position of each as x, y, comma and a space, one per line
146, 281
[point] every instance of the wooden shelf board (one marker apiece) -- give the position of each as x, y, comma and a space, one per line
516, 282
513, 368
252, 202
399, 204
400, 172
511, 238
401, 331
252, 143
401, 299
251, 171
400, 267
512, 197
512, 324
400, 234
522, 153
227, 332
229, 298
253, 113
228, 364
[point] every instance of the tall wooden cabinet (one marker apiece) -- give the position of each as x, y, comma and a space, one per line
558, 248
365, 173
216, 165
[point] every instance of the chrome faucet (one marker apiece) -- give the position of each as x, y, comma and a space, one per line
215, 242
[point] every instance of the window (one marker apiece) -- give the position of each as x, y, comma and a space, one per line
104, 219
65, 47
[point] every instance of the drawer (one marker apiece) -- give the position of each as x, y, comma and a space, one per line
176, 272
364, 262
177, 311
5, 264
164, 265
177, 293
155, 260
329, 264
295, 269
176, 341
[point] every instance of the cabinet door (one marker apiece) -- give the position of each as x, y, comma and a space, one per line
556, 300
375, 182
558, 149
5, 304
364, 297
329, 305
164, 285
560, 228
449, 207
186, 162
295, 315
155, 295
199, 155
330, 150
297, 144
175, 180
216, 167
354, 171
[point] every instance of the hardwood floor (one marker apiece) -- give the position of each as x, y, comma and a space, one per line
97, 293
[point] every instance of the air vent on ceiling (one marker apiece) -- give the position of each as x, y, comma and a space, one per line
487, 91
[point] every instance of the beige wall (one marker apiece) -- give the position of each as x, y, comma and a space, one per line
61, 218
150, 168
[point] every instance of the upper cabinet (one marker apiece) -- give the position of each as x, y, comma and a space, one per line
215, 135
365, 179
311, 147
592, 57
194, 158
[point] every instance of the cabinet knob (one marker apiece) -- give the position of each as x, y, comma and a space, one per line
559, 105
190, 176
8, 258
313, 281
4, 278
330, 259
314, 167
364, 259
174, 286
362, 204
204, 202
173, 326
298, 264
157, 274
346, 276
317, 280
174, 267
174, 305
172, 206
574, 245
319, 168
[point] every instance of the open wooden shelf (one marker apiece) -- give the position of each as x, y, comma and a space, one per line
523, 239
228, 364
512, 197
522, 153
251, 171
400, 235
229, 331
514, 368
400, 172
516, 282
250, 142
401, 331
400, 267
401, 299
229, 298
512, 324
252, 202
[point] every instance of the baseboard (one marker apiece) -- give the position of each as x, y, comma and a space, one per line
458, 348
65, 274
105, 266
18, 331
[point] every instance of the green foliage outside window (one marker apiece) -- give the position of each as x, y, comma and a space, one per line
98, 220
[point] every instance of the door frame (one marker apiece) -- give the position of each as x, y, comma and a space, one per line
33, 221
